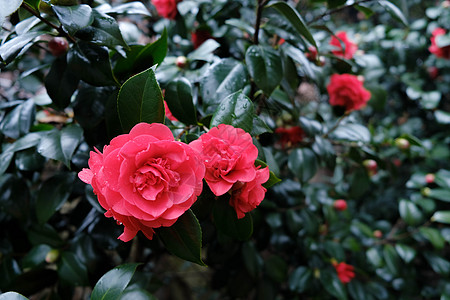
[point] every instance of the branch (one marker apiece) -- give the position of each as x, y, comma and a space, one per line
38, 15
337, 9
259, 8
347, 113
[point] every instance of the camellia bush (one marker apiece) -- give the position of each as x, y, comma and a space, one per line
225, 149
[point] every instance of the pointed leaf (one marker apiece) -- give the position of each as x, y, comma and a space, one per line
71, 270
236, 110
112, 285
433, 235
10, 49
303, 163
74, 18
442, 216
409, 212
184, 238
178, 96
205, 51
395, 12
140, 100
19, 120
226, 221
333, 285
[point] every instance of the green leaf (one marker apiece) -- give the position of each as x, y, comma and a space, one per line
7, 8
438, 264
442, 216
205, 51
395, 12
132, 8
137, 294
374, 257
440, 194
19, 120
409, 212
265, 67
12, 296
332, 284
236, 110
365, 10
184, 238
273, 179
226, 221
222, 79
35, 256
295, 19
405, 252
61, 83
111, 285
74, 18
178, 96
91, 63
61, 144
10, 49
352, 132
443, 178
33, 3
71, 270
443, 40
392, 259
252, 260
140, 100
44, 235
140, 58
104, 30
276, 268
357, 290
442, 117
53, 193
434, 236
303, 163
299, 279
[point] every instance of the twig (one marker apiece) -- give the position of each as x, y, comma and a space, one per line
38, 15
347, 113
259, 8
337, 9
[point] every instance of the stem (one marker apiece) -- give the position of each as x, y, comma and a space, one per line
347, 113
38, 15
259, 8
337, 9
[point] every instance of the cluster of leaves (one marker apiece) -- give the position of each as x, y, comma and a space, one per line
54, 238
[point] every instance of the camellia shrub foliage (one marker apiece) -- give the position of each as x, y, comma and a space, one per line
225, 149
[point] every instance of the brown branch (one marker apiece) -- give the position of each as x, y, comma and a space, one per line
337, 9
259, 8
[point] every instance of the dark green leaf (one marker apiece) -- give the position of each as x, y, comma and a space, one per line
111, 285
53, 194
36, 256
440, 194
405, 252
303, 163
276, 268
71, 270
252, 260
5, 160
205, 51
44, 235
409, 212
443, 178
332, 284
226, 221
236, 110
91, 63
335, 3
392, 259
132, 8
352, 132
265, 67
273, 179
394, 11
137, 294
140, 100
433, 235
10, 49
222, 79
365, 10
438, 264
19, 120
74, 18
357, 290
61, 144
442, 117
442, 216
299, 279
295, 19
61, 82
184, 238
178, 96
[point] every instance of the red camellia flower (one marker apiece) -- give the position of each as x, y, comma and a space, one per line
348, 91
443, 52
199, 36
246, 196
166, 8
344, 271
290, 136
229, 156
340, 40
145, 179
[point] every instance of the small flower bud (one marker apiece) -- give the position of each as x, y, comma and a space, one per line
58, 46
181, 62
340, 205
377, 234
52, 256
426, 191
429, 178
402, 144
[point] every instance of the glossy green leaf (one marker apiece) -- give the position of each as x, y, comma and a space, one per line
91, 63
442, 117
137, 294
205, 51
132, 8
405, 252
35, 256
53, 193
19, 120
299, 279
332, 284
303, 163
295, 19
12, 296
7, 8
33, 3
74, 18
374, 257
140, 100
273, 179
443, 178
299, 56
61, 144
61, 83
365, 10
442, 216
437, 263
352, 132
409, 212
236, 110
104, 30
226, 221
391, 259
71, 270
265, 67
112, 285
357, 290
178, 96
394, 11
10, 49
440, 194
222, 79
45, 234
184, 238
433, 235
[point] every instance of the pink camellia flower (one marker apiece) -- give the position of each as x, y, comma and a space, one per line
166, 8
199, 36
229, 156
145, 179
348, 91
344, 271
443, 52
349, 48
246, 196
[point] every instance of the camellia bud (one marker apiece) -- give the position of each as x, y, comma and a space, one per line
181, 62
429, 178
340, 205
402, 144
58, 46
426, 191
377, 233
52, 256
371, 166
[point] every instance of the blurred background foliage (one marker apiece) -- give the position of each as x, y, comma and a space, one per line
389, 162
